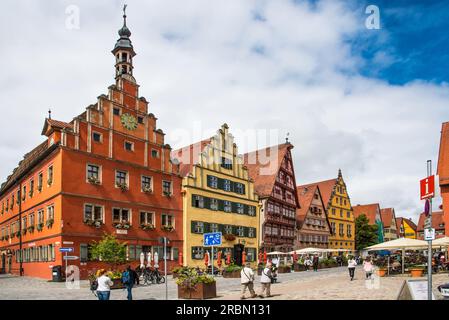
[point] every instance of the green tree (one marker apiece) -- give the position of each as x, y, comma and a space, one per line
109, 250
365, 234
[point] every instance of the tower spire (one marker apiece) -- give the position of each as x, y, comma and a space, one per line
124, 52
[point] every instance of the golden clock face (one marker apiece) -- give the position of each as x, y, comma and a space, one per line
129, 121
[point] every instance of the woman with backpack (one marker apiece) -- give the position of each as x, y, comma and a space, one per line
128, 279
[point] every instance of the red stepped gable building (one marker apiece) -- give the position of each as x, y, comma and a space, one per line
437, 223
274, 179
312, 224
443, 172
107, 171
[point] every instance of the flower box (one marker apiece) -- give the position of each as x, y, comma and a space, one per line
299, 267
118, 284
93, 223
93, 180
167, 228
122, 225
198, 291
382, 272
147, 190
416, 272
229, 237
167, 194
40, 226
49, 223
31, 229
147, 227
122, 186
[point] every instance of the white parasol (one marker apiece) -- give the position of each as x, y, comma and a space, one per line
142, 260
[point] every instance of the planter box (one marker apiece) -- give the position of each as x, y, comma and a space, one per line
199, 291
117, 284
299, 267
175, 275
233, 274
382, 272
284, 269
416, 273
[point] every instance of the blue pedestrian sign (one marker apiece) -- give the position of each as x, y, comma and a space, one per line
212, 239
65, 249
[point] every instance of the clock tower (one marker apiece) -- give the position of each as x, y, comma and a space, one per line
124, 53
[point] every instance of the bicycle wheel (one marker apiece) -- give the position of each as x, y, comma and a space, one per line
161, 279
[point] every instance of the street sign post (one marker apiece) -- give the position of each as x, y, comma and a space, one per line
427, 192
71, 257
211, 240
427, 187
429, 234
66, 250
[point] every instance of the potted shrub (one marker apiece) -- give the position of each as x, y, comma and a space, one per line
167, 194
40, 226
147, 189
416, 271
191, 285
232, 271
31, 229
179, 270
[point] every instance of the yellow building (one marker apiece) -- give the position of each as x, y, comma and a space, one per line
406, 228
218, 196
339, 211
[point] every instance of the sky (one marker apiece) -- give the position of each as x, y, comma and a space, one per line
367, 101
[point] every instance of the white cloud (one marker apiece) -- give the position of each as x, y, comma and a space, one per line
291, 69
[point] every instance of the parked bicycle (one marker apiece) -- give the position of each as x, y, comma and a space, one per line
151, 276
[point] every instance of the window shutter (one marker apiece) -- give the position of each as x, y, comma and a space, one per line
233, 188
209, 181
220, 205
220, 183
233, 207
221, 228
245, 231
246, 209
234, 230
206, 202
193, 226
243, 189
193, 200
206, 227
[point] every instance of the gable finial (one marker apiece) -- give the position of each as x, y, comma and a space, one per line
49, 114
286, 138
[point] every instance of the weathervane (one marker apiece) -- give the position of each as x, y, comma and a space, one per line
49, 114
286, 138
124, 12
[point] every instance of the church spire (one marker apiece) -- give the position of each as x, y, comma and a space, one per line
124, 52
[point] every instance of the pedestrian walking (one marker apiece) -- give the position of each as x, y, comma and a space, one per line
104, 286
351, 267
247, 281
368, 267
129, 279
307, 263
265, 281
316, 261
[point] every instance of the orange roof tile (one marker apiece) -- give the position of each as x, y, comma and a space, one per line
51, 124
263, 167
387, 215
437, 221
305, 197
369, 210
